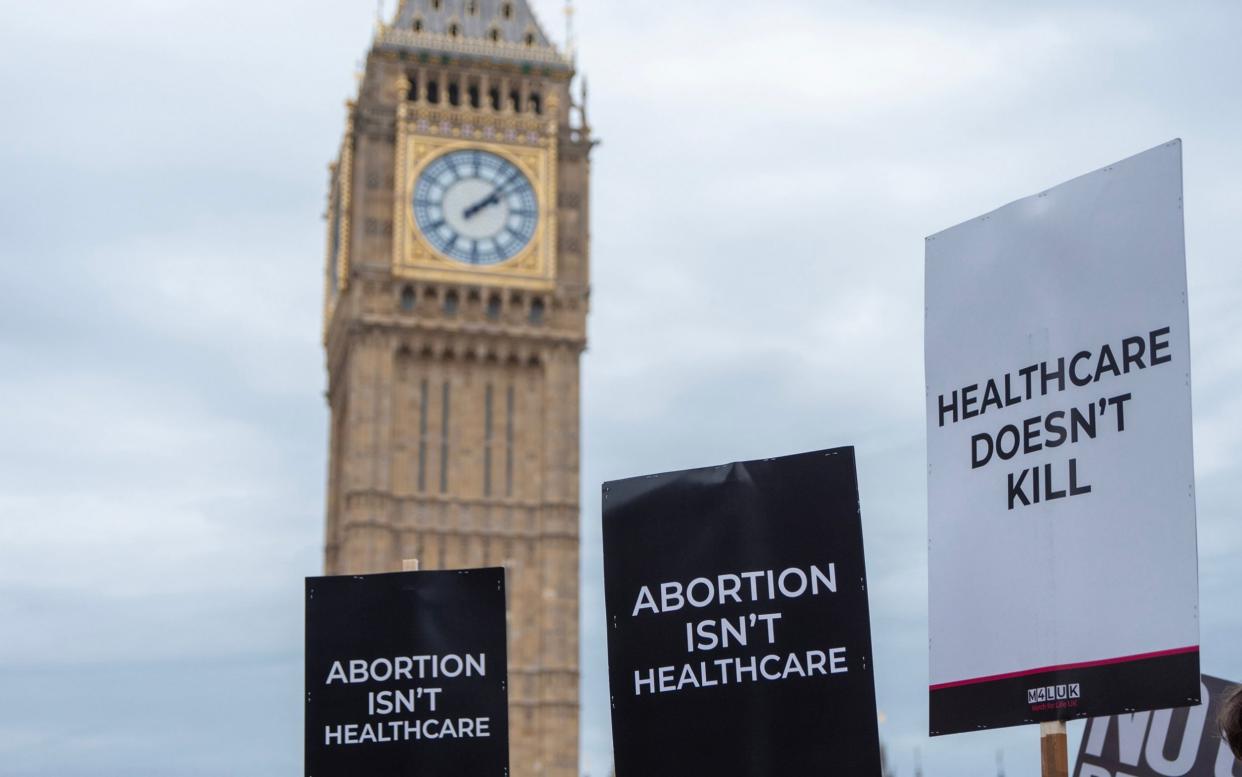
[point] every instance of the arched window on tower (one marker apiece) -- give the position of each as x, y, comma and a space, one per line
494, 34
454, 94
493, 96
454, 30
506, 10
418, 25
530, 39
433, 91
536, 103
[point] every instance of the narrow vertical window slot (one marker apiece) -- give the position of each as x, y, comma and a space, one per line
487, 441
422, 435
509, 442
444, 439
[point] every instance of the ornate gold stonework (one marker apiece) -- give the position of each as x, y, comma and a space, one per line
418, 146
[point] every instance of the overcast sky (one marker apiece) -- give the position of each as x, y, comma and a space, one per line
768, 173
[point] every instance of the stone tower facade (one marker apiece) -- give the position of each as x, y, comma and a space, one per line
454, 320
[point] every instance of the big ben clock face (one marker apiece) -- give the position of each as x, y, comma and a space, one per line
475, 207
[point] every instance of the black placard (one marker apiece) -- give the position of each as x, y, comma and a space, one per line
405, 675
1185, 741
768, 553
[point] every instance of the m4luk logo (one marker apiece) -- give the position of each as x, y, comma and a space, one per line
1047, 696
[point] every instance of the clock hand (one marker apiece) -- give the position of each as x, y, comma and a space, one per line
491, 199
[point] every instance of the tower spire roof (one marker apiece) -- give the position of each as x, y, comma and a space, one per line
499, 29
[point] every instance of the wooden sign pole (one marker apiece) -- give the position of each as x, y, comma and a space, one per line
1053, 750
409, 565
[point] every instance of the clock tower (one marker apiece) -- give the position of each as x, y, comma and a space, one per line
455, 311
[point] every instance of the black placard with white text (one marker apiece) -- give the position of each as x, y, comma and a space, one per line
406, 674
739, 638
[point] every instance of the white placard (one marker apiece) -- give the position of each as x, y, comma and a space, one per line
1061, 509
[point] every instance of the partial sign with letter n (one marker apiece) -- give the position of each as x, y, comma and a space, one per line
1181, 742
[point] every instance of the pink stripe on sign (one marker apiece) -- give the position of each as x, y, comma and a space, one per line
1060, 667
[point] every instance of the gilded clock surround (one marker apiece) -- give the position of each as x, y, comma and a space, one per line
414, 257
